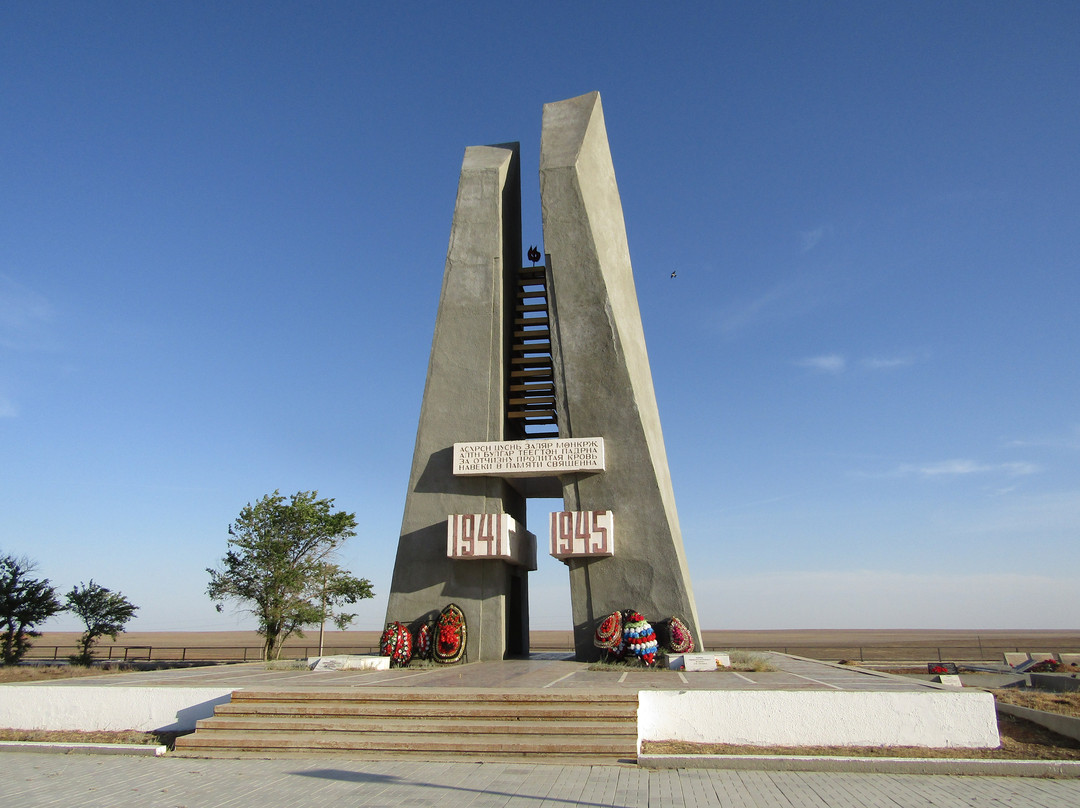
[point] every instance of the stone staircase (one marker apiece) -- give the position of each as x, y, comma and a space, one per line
430, 724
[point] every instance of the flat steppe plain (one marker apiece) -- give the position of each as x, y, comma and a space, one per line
856, 644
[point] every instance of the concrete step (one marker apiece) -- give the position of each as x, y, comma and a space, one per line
438, 727
550, 712
457, 723
438, 695
270, 741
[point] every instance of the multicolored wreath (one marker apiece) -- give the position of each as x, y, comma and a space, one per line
422, 642
449, 641
639, 638
609, 633
679, 638
396, 643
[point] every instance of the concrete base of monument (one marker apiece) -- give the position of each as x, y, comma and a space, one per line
794, 702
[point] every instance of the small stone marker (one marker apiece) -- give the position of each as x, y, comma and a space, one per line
701, 662
348, 662
1069, 659
950, 679
1016, 658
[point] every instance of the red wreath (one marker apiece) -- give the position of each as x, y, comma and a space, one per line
679, 638
609, 632
396, 643
422, 642
449, 640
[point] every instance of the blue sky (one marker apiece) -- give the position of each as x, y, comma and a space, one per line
222, 236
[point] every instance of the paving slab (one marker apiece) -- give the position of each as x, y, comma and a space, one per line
35, 781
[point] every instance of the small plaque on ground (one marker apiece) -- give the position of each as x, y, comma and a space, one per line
950, 679
702, 662
350, 662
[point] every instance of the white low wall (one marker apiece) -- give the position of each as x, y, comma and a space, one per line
818, 718
87, 707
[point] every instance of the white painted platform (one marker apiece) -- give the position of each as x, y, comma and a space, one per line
819, 718
107, 707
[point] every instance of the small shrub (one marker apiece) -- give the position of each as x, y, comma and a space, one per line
286, 665
749, 662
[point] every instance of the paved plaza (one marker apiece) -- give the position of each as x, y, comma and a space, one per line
539, 672
28, 780
38, 779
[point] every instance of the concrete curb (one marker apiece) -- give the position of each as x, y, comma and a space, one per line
865, 765
1055, 722
143, 750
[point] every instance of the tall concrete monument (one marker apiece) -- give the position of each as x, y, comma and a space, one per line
539, 386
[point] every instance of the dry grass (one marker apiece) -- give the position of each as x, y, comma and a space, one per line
749, 662
286, 665
1020, 740
1063, 703
46, 673
128, 736
633, 665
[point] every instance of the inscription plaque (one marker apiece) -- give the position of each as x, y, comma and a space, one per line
528, 458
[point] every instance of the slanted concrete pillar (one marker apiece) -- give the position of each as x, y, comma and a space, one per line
603, 382
465, 400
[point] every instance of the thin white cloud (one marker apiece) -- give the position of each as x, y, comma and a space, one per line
25, 315
738, 316
886, 363
826, 363
837, 363
958, 467
1069, 440
789, 298
808, 239
8, 408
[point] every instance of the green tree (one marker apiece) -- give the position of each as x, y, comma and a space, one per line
280, 565
103, 612
25, 603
